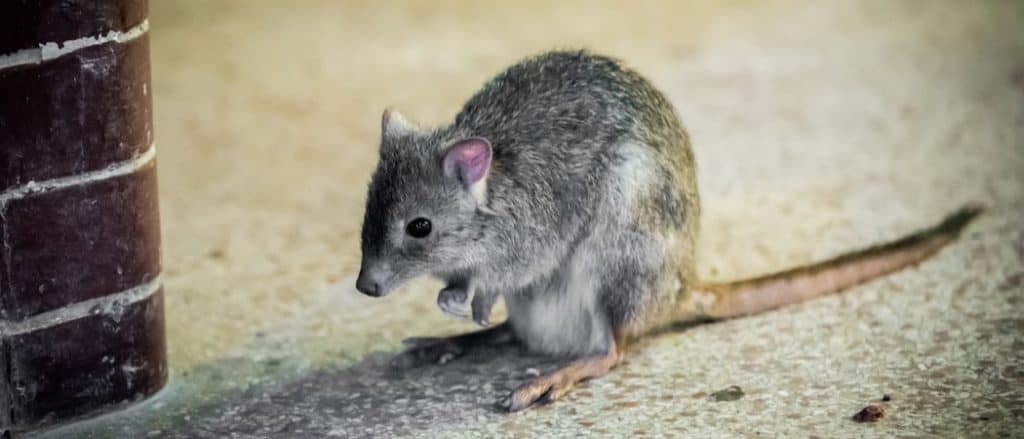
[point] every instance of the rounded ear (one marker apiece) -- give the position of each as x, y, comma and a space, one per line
469, 162
392, 123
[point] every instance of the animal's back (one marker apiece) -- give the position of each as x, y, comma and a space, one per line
570, 101
584, 146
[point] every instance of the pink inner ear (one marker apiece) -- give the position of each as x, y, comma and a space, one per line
468, 160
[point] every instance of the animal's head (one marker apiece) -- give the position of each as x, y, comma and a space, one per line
424, 205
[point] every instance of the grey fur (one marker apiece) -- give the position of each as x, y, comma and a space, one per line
588, 225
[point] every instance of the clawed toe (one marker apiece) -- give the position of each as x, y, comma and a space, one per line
452, 301
537, 392
455, 309
504, 403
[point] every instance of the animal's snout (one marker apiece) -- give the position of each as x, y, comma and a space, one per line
367, 286
370, 283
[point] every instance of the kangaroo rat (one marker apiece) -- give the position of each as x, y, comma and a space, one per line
567, 186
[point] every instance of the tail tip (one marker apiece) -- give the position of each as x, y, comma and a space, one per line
956, 222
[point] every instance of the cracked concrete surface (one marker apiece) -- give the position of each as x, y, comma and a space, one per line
819, 127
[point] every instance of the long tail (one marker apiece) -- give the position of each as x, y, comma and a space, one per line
750, 296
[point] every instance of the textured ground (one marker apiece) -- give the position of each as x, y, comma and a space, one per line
819, 127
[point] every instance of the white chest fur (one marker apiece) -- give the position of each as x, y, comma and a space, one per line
561, 316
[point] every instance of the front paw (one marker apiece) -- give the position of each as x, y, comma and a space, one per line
422, 351
452, 301
481, 308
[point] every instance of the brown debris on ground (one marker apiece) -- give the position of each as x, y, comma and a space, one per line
871, 413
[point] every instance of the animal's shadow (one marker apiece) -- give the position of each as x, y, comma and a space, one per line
375, 398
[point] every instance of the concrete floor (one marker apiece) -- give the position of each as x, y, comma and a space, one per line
819, 127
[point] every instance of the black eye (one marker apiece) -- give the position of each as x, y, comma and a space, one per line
418, 228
